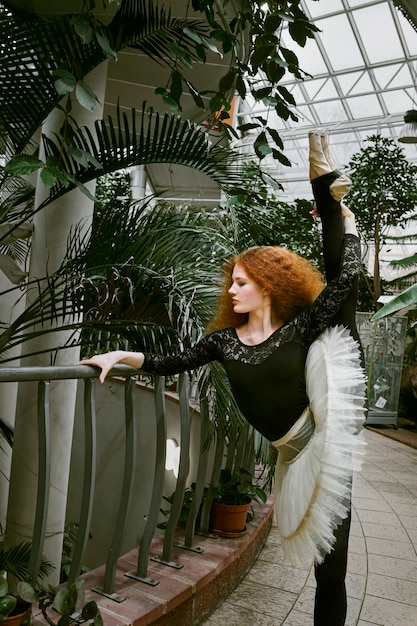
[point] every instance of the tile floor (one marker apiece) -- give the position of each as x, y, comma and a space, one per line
382, 569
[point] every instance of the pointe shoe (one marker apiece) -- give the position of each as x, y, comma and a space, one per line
318, 162
326, 151
341, 186
321, 164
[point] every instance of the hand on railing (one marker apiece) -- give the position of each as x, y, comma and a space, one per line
108, 360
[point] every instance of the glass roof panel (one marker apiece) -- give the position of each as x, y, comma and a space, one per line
364, 106
330, 111
362, 85
386, 45
310, 58
400, 100
363, 66
324, 7
338, 41
390, 76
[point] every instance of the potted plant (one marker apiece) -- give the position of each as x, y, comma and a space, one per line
13, 610
63, 601
231, 501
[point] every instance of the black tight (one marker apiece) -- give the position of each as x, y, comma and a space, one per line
330, 601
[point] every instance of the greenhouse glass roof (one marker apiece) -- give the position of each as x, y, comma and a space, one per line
363, 67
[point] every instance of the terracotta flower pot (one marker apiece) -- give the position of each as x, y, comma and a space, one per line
228, 519
18, 616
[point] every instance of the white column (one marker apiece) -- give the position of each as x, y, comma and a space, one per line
51, 228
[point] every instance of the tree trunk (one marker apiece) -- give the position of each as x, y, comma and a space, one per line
377, 275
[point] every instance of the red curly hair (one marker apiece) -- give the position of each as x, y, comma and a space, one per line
292, 282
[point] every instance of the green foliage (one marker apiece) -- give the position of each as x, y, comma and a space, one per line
267, 61
60, 52
70, 538
8, 601
16, 560
236, 488
383, 194
185, 509
384, 185
63, 601
406, 298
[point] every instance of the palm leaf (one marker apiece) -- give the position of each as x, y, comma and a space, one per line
406, 298
406, 262
145, 26
161, 139
16, 560
36, 47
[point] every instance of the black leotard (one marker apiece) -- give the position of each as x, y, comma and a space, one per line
268, 379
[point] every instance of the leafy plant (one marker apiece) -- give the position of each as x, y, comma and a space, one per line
185, 509
8, 600
236, 488
384, 190
15, 560
64, 601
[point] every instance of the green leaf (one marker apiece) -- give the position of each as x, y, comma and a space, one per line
181, 53
261, 54
211, 46
104, 44
4, 587
82, 27
80, 186
48, 177
85, 96
89, 610
272, 22
195, 95
276, 137
249, 126
285, 16
61, 601
227, 81
21, 164
7, 604
176, 86
192, 34
27, 592
82, 157
240, 86
64, 81
406, 298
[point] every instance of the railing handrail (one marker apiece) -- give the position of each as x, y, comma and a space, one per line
61, 372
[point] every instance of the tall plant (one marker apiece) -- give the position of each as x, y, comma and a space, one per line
383, 194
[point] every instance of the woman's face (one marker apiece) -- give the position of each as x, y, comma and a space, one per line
246, 294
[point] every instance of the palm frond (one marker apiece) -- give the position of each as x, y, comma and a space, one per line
149, 27
406, 263
36, 47
146, 137
16, 560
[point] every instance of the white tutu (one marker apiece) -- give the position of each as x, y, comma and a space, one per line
313, 480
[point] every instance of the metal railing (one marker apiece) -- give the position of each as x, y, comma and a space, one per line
43, 375
200, 505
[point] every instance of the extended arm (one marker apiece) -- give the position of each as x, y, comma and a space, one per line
201, 353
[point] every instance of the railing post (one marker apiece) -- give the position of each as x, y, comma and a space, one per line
44, 473
90, 456
158, 486
199, 485
166, 558
130, 451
